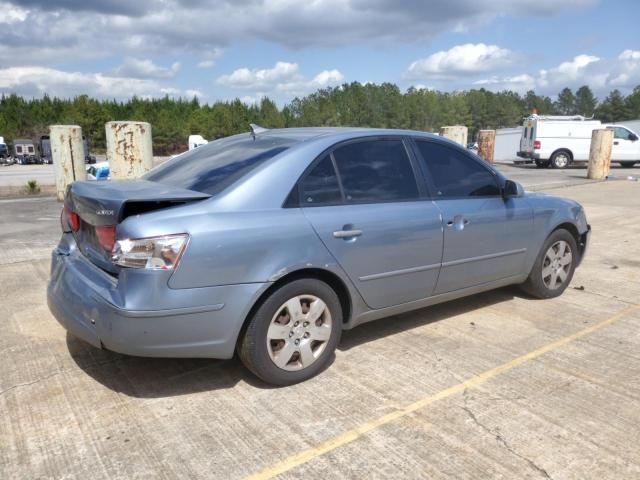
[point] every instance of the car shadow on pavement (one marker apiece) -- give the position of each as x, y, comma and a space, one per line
406, 321
158, 377
167, 377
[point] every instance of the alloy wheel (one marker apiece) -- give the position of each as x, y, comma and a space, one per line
556, 265
298, 332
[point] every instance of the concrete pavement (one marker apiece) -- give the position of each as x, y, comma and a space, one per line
492, 386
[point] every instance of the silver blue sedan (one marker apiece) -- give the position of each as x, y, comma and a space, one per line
270, 243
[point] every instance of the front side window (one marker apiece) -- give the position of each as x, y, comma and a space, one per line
454, 174
321, 186
375, 171
621, 133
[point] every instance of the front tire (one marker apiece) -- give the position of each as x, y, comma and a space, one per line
293, 334
541, 164
553, 269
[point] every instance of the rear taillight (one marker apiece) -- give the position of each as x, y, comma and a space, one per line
536, 144
72, 219
106, 236
154, 253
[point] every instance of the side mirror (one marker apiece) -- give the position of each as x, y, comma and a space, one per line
512, 189
633, 137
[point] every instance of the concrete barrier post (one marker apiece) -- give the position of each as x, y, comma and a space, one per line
129, 149
600, 154
457, 133
67, 155
486, 144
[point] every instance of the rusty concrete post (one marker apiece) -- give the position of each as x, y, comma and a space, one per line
457, 133
600, 154
67, 155
486, 144
129, 149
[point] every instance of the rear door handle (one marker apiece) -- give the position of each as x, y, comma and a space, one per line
616, 143
347, 234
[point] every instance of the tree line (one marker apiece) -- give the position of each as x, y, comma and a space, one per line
354, 104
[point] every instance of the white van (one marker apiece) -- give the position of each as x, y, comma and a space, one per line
559, 141
196, 141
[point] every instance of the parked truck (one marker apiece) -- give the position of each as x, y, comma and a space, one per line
24, 151
45, 150
559, 141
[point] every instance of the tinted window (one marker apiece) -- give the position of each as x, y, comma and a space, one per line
321, 184
375, 170
213, 167
454, 174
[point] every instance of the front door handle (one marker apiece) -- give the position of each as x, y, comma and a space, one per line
458, 222
616, 143
347, 233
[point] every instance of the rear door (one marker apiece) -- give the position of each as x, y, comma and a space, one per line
526, 140
365, 204
485, 236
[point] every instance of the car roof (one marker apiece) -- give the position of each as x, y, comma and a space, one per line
309, 133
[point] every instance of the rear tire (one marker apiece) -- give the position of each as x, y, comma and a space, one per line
627, 164
560, 159
553, 269
293, 334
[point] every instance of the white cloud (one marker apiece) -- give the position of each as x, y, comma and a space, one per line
80, 29
257, 78
283, 78
328, 77
469, 58
210, 58
600, 74
36, 81
567, 72
10, 14
206, 64
139, 68
190, 93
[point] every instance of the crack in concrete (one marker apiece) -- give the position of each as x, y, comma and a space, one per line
498, 436
59, 372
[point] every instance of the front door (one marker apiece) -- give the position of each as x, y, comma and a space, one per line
485, 236
624, 149
364, 203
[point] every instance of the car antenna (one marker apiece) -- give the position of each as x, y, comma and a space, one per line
256, 129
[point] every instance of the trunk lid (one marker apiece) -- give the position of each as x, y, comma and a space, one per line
101, 206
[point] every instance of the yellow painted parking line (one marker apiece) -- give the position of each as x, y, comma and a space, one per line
357, 432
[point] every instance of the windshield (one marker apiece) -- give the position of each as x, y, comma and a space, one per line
213, 167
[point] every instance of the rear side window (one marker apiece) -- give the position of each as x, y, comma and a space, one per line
215, 166
375, 171
531, 134
526, 132
321, 186
454, 174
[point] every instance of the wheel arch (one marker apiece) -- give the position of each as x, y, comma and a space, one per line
562, 149
330, 278
573, 230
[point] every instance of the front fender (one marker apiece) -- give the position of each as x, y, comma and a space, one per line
550, 212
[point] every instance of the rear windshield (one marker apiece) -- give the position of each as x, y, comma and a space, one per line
213, 167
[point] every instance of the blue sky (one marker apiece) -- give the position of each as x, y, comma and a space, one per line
223, 49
